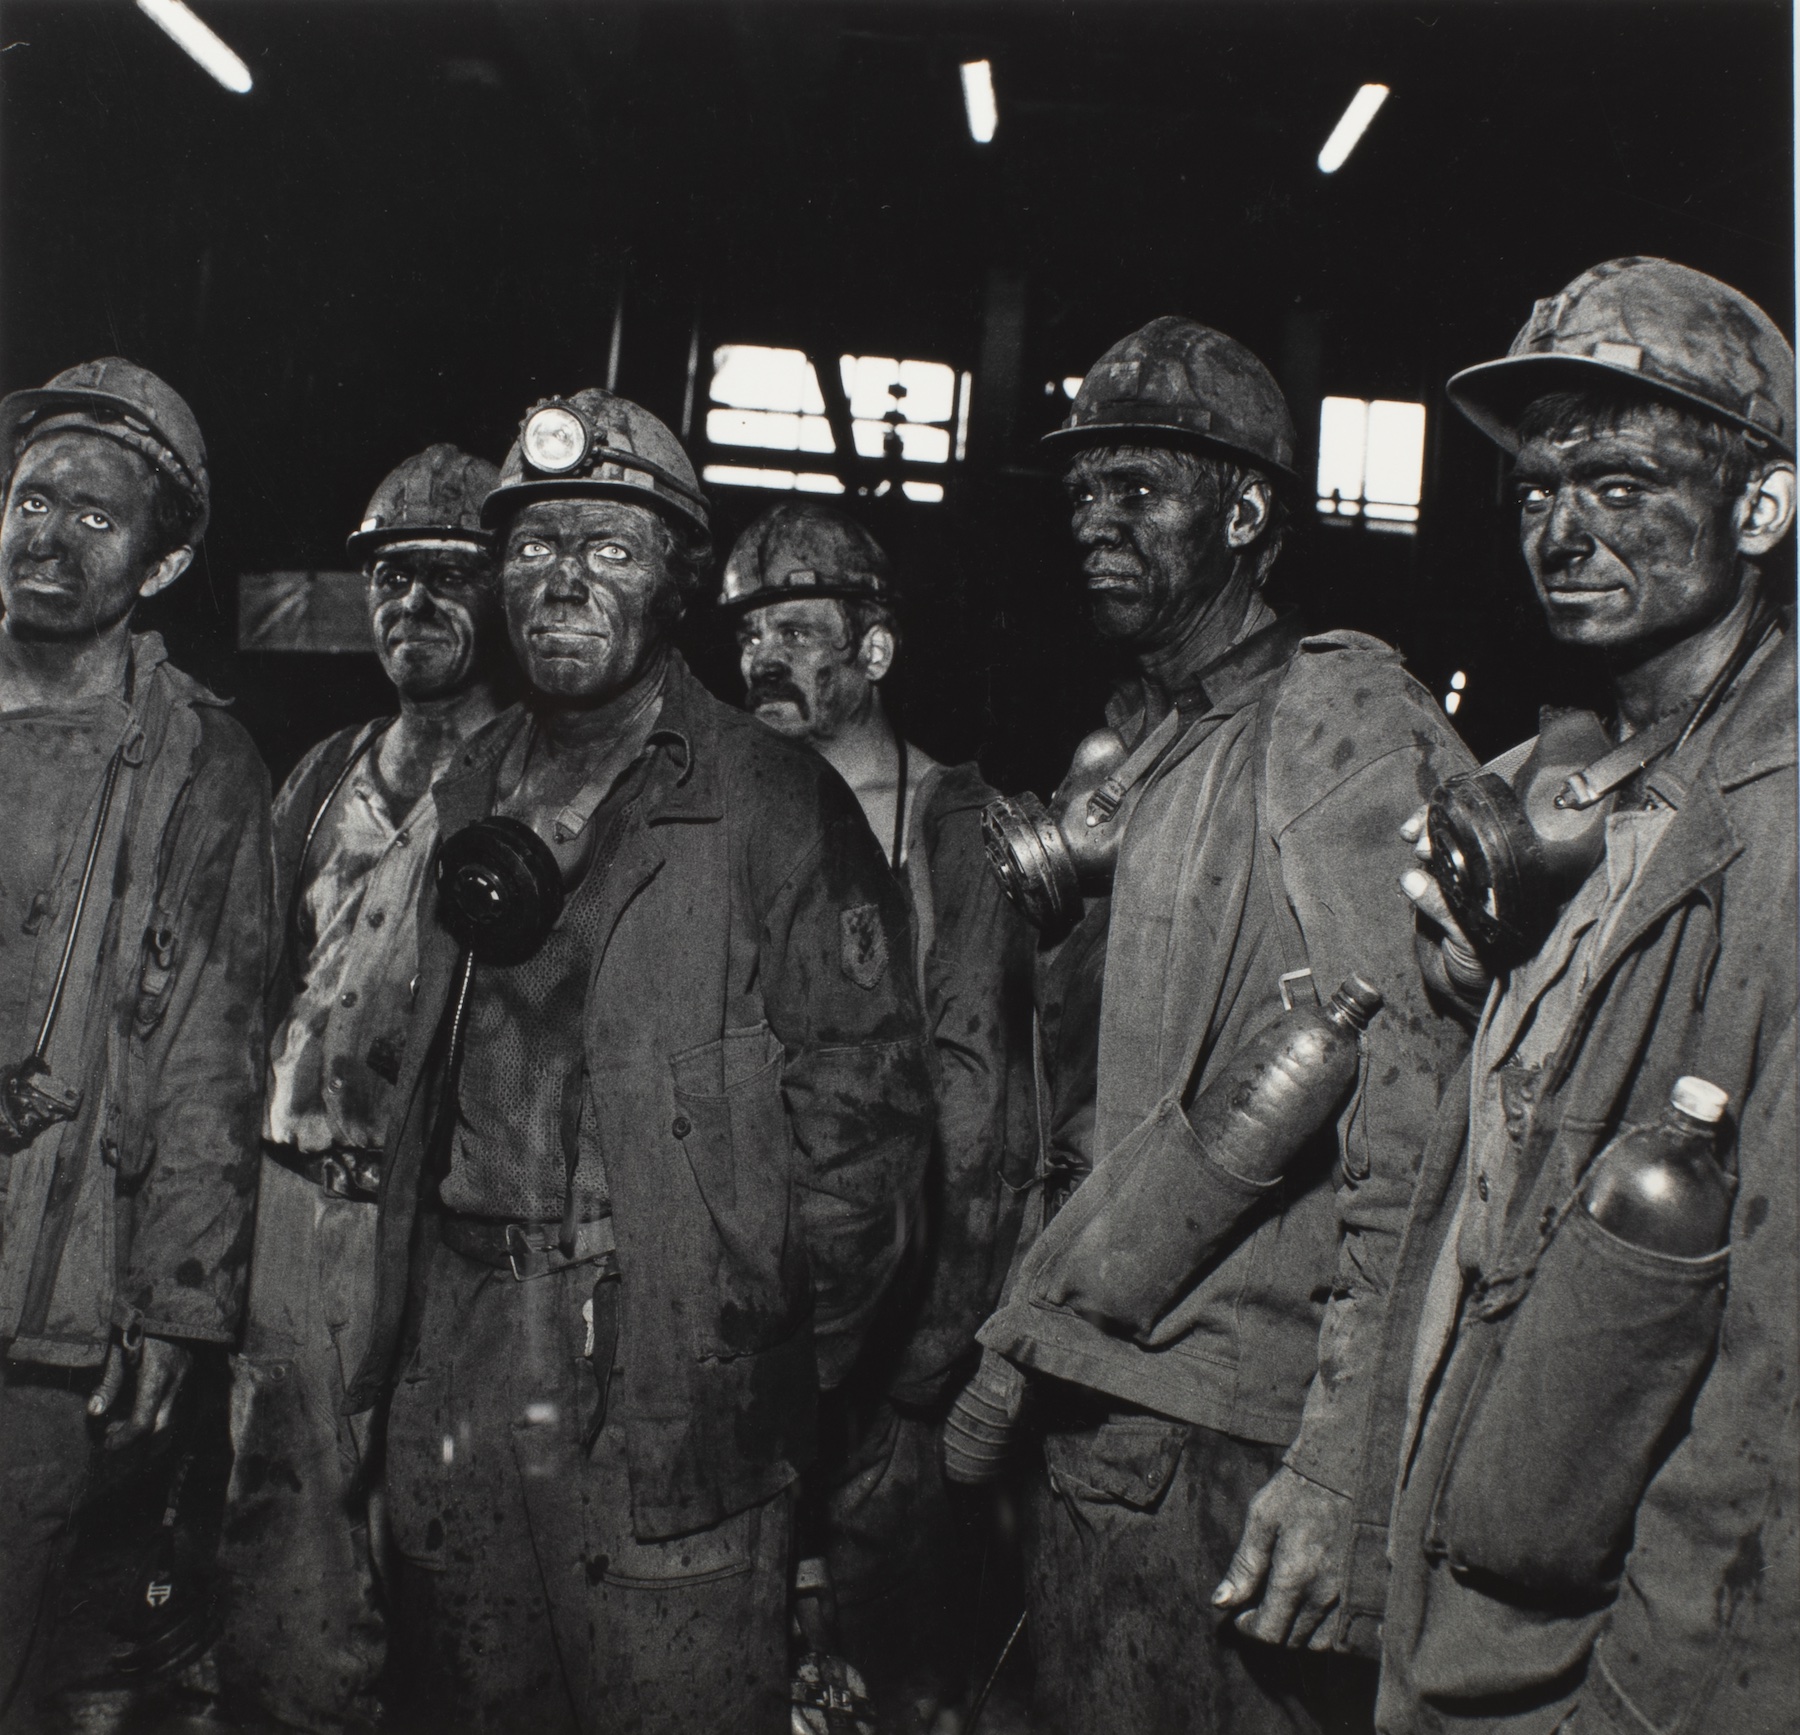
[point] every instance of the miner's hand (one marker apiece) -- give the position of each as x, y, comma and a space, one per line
160, 1365
1286, 1576
1465, 974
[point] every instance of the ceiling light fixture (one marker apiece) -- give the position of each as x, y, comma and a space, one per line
1355, 122
197, 39
978, 100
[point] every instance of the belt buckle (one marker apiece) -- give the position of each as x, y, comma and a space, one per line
518, 1247
334, 1175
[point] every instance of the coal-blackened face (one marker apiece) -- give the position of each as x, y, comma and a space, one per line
433, 610
77, 546
1633, 540
1151, 532
803, 675
590, 593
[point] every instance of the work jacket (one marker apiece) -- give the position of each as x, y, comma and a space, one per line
1695, 1631
138, 1213
973, 957
1289, 784
760, 1101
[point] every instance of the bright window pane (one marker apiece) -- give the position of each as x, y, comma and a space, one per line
930, 394
772, 428
744, 476
1343, 430
748, 376
922, 490
1396, 453
919, 445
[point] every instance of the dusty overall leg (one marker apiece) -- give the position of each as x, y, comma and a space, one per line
905, 1597
475, 1648
658, 1637
1131, 1523
45, 1443
305, 1635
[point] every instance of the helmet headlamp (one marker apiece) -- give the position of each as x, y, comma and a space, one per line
555, 440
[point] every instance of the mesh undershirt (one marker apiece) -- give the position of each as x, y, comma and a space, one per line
523, 1087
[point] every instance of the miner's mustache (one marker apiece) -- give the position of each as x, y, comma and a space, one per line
764, 689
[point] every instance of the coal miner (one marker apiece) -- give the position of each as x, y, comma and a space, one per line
663, 1100
355, 831
134, 923
1196, 1314
818, 635
1588, 1384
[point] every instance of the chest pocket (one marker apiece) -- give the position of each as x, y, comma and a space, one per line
731, 1124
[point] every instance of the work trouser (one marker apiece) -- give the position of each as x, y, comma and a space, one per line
305, 1637
526, 1601
905, 1595
45, 1446
1131, 1522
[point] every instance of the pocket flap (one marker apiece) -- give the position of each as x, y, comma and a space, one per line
1130, 1460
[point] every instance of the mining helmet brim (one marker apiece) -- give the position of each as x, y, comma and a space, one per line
363, 545
1125, 430
1494, 394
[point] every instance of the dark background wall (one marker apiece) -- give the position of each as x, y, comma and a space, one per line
425, 215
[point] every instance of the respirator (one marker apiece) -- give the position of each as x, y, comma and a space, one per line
1048, 858
499, 890
1509, 851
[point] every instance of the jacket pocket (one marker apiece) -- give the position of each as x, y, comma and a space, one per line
1128, 1461
731, 1123
1585, 1386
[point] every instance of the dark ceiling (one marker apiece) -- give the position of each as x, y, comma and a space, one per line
426, 213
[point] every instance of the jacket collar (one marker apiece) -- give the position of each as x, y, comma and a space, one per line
1228, 683
1753, 734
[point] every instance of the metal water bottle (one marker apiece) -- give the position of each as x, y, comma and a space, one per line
1284, 1084
1662, 1187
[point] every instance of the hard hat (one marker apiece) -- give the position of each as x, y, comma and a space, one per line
596, 444
120, 401
803, 548
1177, 377
436, 495
1683, 334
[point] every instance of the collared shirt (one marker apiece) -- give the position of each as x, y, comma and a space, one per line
335, 1059
523, 1089
1525, 1020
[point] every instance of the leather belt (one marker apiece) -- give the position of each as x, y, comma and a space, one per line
345, 1172
530, 1250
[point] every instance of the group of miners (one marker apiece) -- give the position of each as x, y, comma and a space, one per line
653, 1162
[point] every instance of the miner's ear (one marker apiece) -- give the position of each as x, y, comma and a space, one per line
876, 652
1250, 513
1766, 511
165, 572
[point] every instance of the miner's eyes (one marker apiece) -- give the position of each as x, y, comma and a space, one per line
96, 521
616, 552
33, 507
1534, 499
533, 550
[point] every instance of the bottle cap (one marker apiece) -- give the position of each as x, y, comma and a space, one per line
1699, 1098
1358, 1001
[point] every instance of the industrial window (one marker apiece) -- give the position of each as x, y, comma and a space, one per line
905, 413
1372, 462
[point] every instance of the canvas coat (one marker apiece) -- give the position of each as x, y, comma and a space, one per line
1326, 745
760, 1101
139, 1212
1695, 1633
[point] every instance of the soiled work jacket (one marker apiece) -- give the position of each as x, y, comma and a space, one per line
763, 1100
139, 1211
1697, 975
1324, 746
